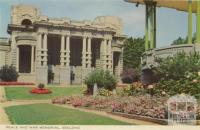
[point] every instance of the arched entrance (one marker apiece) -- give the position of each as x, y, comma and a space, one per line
24, 59
26, 22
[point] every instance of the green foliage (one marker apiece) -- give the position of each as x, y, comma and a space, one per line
8, 73
105, 92
40, 86
177, 66
136, 88
190, 84
103, 79
181, 40
130, 75
133, 50
178, 74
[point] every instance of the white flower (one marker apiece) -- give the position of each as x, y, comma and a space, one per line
199, 73
150, 86
163, 93
194, 81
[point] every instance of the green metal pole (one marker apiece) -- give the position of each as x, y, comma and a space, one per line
198, 23
189, 22
155, 25
146, 29
151, 27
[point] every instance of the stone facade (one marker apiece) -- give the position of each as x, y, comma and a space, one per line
41, 46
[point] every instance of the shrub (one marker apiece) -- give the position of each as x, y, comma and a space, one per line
177, 66
8, 73
190, 84
178, 74
129, 76
104, 92
134, 89
41, 86
104, 79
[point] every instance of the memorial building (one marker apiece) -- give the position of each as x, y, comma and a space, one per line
61, 50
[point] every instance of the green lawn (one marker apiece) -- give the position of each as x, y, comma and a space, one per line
47, 114
24, 92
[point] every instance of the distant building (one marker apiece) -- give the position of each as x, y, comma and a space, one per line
41, 47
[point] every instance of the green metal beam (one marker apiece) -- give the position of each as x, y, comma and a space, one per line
198, 23
147, 28
153, 25
189, 22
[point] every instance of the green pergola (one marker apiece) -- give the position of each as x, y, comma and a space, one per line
190, 6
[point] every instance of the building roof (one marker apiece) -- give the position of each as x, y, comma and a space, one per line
181, 5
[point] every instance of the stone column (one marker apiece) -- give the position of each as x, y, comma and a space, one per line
17, 59
62, 51
110, 55
67, 50
42, 69
120, 65
45, 49
13, 50
89, 52
38, 48
86, 57
64, 60
103, 53
32, 59
84, 53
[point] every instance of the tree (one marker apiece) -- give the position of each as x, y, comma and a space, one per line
133, 50
179, 41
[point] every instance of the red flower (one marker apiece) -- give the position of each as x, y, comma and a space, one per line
15, 83
40, 91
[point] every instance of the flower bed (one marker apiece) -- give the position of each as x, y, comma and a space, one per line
138, 106
16, 83
40, 91
145, 118
123, 85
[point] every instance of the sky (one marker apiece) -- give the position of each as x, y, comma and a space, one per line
170, 23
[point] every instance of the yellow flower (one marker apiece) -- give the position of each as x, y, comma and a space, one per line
199, 73
182, 94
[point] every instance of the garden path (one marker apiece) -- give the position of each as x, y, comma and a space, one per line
3, 117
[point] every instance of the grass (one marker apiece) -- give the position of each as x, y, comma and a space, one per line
24, 92
47, 114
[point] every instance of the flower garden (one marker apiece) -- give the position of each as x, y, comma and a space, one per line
132, 100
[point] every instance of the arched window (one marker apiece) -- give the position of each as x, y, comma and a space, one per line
26, 22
